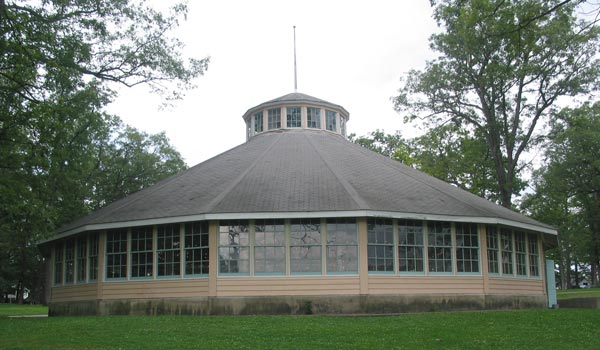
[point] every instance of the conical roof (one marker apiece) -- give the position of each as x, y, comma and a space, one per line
299, 173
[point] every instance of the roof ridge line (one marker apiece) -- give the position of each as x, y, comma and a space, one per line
347, 186
218, 199
428, 185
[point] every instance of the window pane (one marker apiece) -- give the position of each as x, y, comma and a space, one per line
330, 120
81, 258
269, 247
116, 254
70, 261
196, 248
58, 262
141, 252
506, 251
440, 246
492, 248
274, 118
93, 258
313, 117
534, 267
410, 246
294, 118
342, 245
258, 122
521, 253
234, 247
380, 248
467, 247
168, 252
305, 246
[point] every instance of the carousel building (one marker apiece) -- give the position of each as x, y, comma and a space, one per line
297, 220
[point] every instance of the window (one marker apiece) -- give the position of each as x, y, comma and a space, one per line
507, 251
116, 254
492, 249
467, 248
305, 246
274, 118
234, 247
534, 267
81, 258
58, 263
343, 125
269, 247
521, 253
141, 252
313, 117
330, 120
258, 122
410, 246
248, 129
440, 246
294, 117
168, 250
70, 261
380, 247
196, 248
342, 245
93, 258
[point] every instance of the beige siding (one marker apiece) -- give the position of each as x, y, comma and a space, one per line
425, 285
269, 286
76, 292
172, 288
499, 285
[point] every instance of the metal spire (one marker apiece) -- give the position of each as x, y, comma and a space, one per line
295, 69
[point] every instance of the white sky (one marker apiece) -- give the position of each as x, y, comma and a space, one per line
350, 53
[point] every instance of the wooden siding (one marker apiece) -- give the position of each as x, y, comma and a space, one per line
168, 288
502, 285
300, 285
382, 284
77, 292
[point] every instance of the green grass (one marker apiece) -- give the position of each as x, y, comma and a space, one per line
14, 309
531, 329
578, 293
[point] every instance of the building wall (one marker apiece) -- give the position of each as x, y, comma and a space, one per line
354, 292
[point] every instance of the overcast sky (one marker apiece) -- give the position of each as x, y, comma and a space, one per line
350, 53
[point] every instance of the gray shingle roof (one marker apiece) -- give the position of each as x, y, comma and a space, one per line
299, 171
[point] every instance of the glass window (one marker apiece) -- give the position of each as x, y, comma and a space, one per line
492, 249
93, 258
141, 252
274, 118
269, 247
380, 246
58, 263
305, 246
70, 261
330, 120
507, 251
81, 258
410, 246
294, 117
168, 250
343, 125
521, 253
116, 254
234, 247
342, 245
467, 248
440, 246
258, 122
313, 117
534, 265
196, 248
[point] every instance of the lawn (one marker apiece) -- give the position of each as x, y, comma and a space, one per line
578, 293
531, 329
14, 309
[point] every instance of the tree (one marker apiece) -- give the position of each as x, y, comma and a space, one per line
503, 65
392, 146
58, 63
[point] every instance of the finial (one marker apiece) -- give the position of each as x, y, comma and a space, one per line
295, 69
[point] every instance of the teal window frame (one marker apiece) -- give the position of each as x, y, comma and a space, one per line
116, 254
341, 246
234, 248
380, 246
141, 254
411, 254
306, 254
440, 249
269, 247
168, 251
467, 248
197, 250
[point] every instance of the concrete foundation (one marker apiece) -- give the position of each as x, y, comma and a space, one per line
292, 305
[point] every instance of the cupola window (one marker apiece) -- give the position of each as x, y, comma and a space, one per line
294, 117
258, 122
313, 117
274, 118
330, 120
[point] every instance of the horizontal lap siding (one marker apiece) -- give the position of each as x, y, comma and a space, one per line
185, 288
516, 286
76, 292
271, 286
425, 285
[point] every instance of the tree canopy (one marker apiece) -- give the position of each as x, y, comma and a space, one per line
501, 69
61, 155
